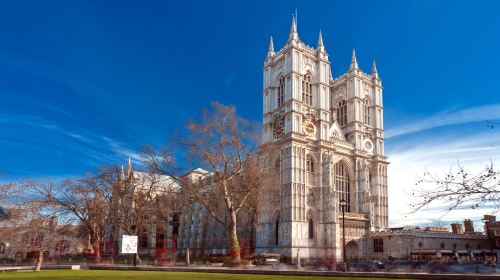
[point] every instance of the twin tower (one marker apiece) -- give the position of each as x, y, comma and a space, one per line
331, 137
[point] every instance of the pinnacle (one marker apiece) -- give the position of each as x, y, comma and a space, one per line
374, 70
293, 31
354, 61
320, 39
270, 51
293, 28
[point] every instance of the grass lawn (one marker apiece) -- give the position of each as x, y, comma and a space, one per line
151, 275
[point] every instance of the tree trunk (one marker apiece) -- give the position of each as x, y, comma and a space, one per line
97, 251
235, 250
96, 245
39, 260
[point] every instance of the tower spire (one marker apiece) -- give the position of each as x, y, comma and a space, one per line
270, 51
354, 61
121, 177
374, 70
129, 167
293, 31
321, 46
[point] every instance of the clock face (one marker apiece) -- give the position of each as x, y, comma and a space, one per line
309, 128
368, 145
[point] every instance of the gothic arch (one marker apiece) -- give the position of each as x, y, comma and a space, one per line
277, 78
344, 184
315, 160
310, 74
307, 88
350, 167
339, 93
281, 91
311, 225
312, 168
275, 228
367, 110
368, 97
352, 250
340, 111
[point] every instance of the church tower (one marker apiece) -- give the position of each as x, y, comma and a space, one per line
330, 135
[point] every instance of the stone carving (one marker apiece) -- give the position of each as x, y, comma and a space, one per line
278, 125
307, 64
311, 200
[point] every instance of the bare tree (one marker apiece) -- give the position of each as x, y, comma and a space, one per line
226, 145
85, 200
31, 231
492, 124
459, 189
140, 198
6, 191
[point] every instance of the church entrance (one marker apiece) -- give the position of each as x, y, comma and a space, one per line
351, 250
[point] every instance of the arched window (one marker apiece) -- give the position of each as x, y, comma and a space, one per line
467, 246
343, 184
310, 164
307, 90
311, 229
281, 92
3, 248
366, 111
454, 246
442, 245
310, 169
342, 113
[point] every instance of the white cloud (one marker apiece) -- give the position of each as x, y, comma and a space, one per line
412, 158
467, 115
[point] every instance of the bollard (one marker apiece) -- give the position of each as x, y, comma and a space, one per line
298, 258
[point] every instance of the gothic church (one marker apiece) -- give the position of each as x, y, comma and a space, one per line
331, 138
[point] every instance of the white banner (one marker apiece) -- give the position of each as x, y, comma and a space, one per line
129, 244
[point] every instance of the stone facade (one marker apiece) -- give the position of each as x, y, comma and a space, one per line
429, 244
203, 235
331, 138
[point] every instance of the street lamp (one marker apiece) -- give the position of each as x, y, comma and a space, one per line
343, 204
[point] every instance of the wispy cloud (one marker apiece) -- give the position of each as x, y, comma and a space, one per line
410, 158
451, 117
27, 120
80, 148
123, 151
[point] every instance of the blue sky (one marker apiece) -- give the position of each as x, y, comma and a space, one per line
84, 83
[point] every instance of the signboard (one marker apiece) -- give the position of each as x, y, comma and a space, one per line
129, 244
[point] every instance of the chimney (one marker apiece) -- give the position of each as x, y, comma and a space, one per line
457, 228
469, 226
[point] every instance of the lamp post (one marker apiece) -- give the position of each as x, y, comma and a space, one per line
343, 204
